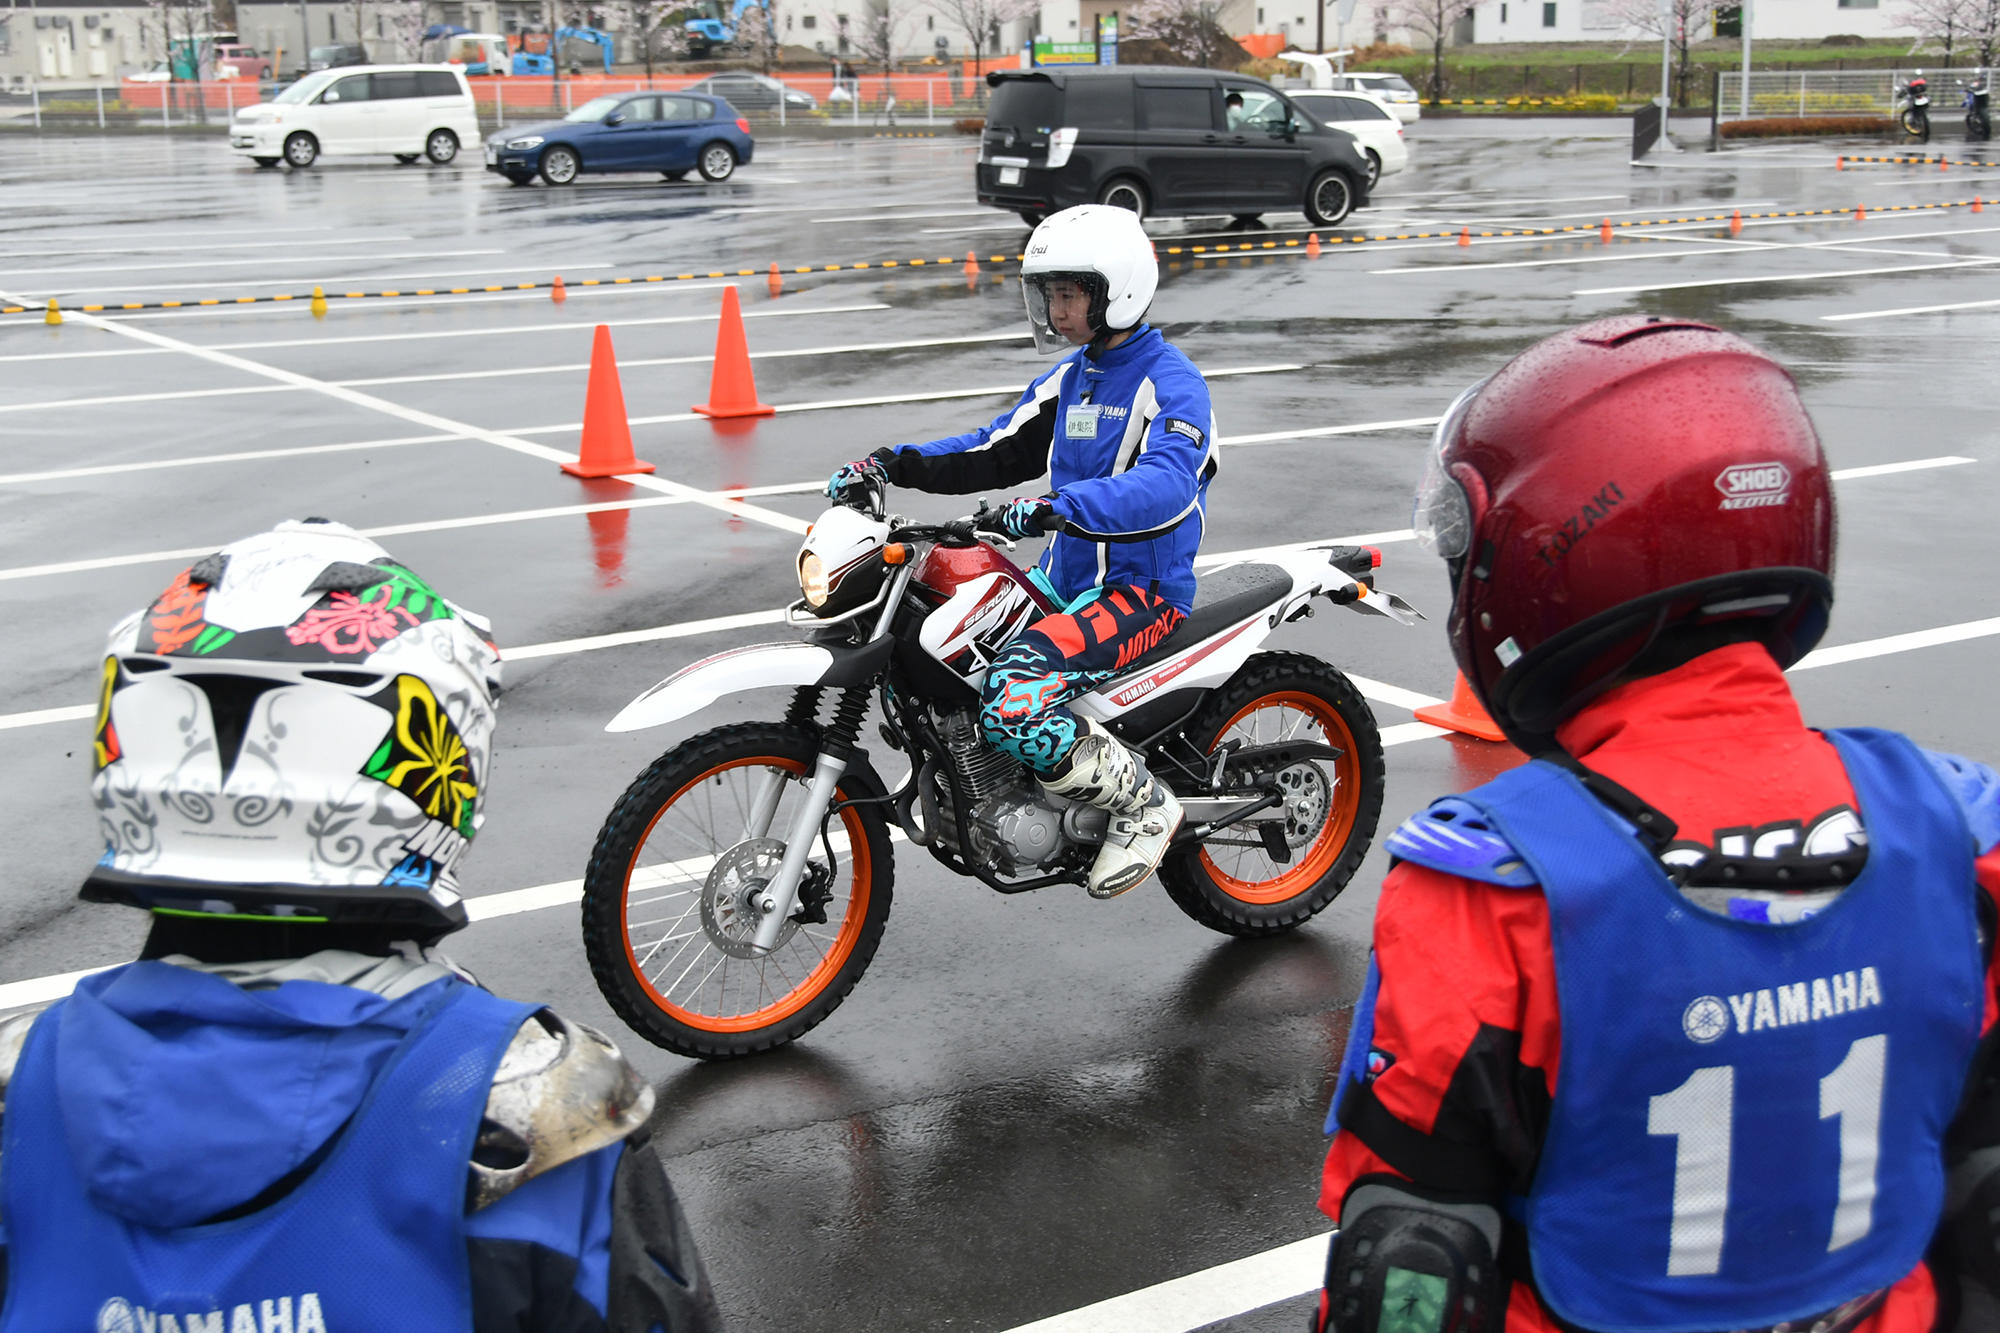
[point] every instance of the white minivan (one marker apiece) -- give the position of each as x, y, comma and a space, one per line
404, 110
1373, 124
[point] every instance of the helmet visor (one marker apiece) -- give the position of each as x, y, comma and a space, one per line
1035, 295
1443, 514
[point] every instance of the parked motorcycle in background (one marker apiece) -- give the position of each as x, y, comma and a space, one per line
741, 884
1977, 123
1916, 117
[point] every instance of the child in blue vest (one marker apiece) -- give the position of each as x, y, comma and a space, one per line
1679, 1025
292, 1112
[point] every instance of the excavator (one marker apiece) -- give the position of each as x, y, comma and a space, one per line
712, 31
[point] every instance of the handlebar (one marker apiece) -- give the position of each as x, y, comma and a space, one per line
871, 499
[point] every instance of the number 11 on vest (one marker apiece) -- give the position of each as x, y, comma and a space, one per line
1700, 1116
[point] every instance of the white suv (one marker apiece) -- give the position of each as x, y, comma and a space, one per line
403, 110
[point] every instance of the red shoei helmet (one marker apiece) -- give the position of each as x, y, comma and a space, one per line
1616, 499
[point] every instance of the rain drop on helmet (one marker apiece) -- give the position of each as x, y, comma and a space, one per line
300, 729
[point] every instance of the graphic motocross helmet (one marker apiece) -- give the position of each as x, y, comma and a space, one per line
1617, 499
298, 729
1107, 252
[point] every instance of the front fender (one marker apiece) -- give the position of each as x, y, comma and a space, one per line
695, 687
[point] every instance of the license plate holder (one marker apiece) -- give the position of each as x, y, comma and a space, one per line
1010, 175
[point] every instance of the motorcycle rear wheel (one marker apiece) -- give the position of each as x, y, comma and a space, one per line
1917, 125
665, 926
1232, 884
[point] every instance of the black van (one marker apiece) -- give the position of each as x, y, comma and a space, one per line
1161, 140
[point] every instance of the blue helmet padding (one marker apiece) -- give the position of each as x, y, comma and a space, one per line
1454, 836
1977, 788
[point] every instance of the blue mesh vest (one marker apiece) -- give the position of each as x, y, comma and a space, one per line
1747, 1118
373, 1238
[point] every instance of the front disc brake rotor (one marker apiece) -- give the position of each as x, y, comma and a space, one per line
728, 897
1308, 799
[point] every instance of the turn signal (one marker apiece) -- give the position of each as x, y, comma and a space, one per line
895, 553
1374, 556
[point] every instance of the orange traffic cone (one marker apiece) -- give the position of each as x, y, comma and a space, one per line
606, 448
1840, 164
1465, 236
556, 292
971, 264
1977, 207
1312, 245
1944, 164
1463, 714
1860, 213
1736, 223
732, 387
1604, 231
777, 283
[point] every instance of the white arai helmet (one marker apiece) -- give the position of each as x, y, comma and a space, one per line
1106, 250
299, 728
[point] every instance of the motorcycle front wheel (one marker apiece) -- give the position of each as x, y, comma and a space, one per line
668, 920
1231, 882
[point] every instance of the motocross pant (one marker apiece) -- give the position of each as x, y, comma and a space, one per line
1056, 659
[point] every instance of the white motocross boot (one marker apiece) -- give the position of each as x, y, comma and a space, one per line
1100, 771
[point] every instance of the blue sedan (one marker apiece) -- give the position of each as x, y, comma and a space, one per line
671, 133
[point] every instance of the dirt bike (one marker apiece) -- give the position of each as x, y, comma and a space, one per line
741, 884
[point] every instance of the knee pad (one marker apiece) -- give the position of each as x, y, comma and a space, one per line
1408, 1263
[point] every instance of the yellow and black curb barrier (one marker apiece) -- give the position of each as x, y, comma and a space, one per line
1508, 101
1907, 161
320, 300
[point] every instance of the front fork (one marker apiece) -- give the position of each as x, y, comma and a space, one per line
780, 897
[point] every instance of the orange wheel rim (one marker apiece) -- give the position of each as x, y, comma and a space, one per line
1311, 862
815, 980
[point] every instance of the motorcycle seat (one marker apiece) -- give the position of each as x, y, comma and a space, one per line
1220, 600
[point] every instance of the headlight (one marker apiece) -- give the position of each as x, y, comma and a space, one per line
528, 141
812, 579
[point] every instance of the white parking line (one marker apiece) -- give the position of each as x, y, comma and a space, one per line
17, 274
302, 382
782, 488
558, 326
206, 249
499, 439
511, 372
1752, 279
1911, 310
909, 217
1199, 1299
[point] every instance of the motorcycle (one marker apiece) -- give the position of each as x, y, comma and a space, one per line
1977, 123
741, 884
1916, 117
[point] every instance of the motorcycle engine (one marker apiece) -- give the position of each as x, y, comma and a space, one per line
1013, 828
1018, 830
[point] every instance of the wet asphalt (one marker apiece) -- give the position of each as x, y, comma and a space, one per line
1029, 1103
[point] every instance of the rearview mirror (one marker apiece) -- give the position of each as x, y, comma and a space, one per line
615, 118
